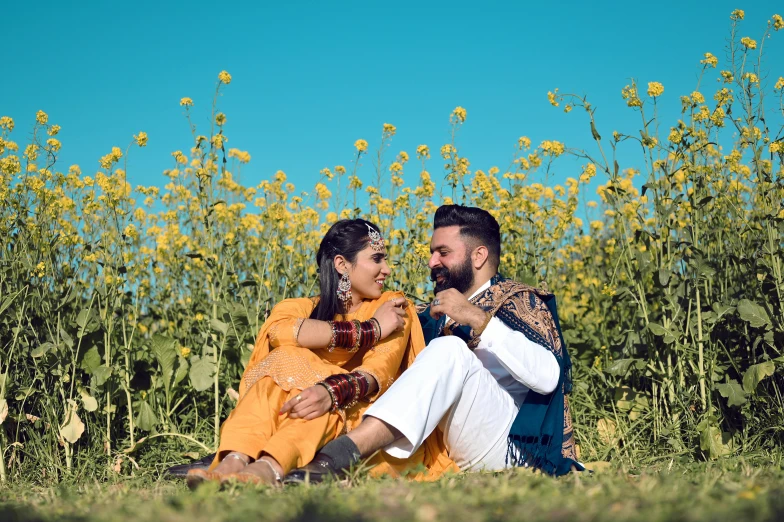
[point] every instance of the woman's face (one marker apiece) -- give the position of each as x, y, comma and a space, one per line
368, 273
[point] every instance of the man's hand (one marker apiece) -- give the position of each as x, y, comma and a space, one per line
456, 306
309, 404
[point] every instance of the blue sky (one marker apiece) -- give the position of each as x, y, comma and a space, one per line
309, 78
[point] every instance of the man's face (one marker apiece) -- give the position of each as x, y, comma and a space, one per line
450, 260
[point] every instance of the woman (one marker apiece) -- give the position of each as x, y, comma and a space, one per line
318, 362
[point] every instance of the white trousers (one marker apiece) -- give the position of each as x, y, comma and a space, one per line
447, 386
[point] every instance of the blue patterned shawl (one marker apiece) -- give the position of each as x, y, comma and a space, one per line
541, 435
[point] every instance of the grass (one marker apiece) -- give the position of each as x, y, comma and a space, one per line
728, 490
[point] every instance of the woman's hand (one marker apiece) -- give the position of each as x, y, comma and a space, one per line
309, 404
391, 316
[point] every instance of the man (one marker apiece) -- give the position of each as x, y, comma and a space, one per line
492, 378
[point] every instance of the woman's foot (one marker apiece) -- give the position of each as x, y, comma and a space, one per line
263, 471
234, 462
197, 477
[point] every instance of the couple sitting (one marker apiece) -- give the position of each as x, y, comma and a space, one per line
480, 377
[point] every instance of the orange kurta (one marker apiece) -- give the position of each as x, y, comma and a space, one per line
279, 368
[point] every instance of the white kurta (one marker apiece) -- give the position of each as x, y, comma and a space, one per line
473, 396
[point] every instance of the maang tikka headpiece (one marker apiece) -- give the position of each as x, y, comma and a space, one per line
376, 241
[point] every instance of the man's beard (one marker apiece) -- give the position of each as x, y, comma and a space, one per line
460, 277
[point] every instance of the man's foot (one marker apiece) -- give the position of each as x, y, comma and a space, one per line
335, 457
318, 470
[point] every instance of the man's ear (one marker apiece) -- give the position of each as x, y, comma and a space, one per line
480, 256
341, 265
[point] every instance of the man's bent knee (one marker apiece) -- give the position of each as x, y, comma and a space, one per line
449, 350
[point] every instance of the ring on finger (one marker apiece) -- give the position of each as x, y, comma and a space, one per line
298, 398
436, 302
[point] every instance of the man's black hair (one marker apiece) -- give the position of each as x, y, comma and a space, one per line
477, 227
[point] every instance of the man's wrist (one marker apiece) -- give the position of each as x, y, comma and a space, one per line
479, 319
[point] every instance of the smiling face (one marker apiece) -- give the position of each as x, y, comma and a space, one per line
450, 260
367, 274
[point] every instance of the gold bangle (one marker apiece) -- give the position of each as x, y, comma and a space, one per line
358, 335
478, 331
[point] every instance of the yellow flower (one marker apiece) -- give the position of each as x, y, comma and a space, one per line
567, 108
322, 191
7, 123
737, 14
597, 225
53, 144
423, 152
39, 271
447, 151
141, 139
218, 140
778, 22
779, 84
396, 167
748, 43
131, 232
389, 130
224, 77
361, 146
655, 89
402, 157
776, 146
751, 77
697, 97
523, 142
41, 117
53, 130
185, 351
710, 60
458, 115
552, 97
220, 119
552, 148
629, 93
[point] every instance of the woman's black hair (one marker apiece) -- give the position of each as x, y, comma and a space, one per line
347, 238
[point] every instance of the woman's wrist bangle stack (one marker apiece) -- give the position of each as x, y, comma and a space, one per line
353, 335
345, 389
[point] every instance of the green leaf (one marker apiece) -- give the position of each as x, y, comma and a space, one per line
621, 367
89, 402
733, 392
756, 373
659, 331
91, 360
8, 300
753, 314
202, 372
42, 350
165, 351
664, 276
715, 443
182, 370
219, 326
624, 398
146, 419
72, 427
3, 410
102, 374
